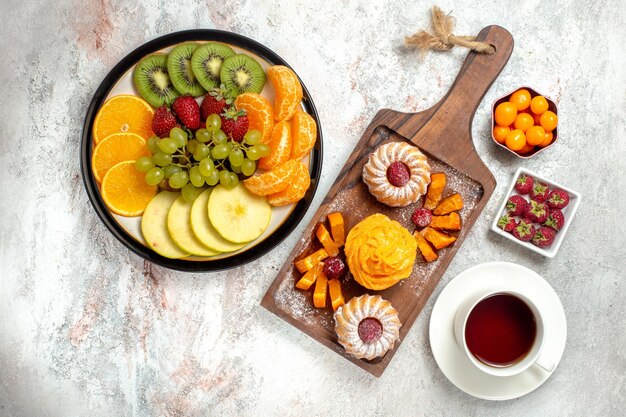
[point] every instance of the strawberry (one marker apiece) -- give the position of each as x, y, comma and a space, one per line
334, 267
163, 121
187, 111
524, 184
524, 231
538, 212
555, 219
539, 192
421, 217
516, 205
558, 199
235, 123
507, 223
544, 236
215, 102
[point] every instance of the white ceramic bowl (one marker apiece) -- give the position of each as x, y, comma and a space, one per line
568, 213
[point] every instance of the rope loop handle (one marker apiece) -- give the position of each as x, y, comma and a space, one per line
442, 38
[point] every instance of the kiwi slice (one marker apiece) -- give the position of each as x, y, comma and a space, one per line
179, 67
242, 74
206, 63
153, 81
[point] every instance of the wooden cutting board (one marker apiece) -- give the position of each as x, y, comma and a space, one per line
443, 133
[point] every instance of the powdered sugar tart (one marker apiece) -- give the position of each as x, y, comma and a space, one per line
397, 174
367, 326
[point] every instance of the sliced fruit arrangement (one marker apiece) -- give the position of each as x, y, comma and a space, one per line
437, 219
524, 122
326, 268
538, 219
183, 163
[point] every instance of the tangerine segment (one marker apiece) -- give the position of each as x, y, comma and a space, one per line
280, 147
298, 185
123, 114
114, 149
304, 133
272, 181
260, 113
288, 91
124, 190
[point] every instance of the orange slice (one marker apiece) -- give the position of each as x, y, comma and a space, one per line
288, 91
280, 147
298, 184
260, 113
304, 134
114, 149
124, 190
305, 264
272, 181
123, 114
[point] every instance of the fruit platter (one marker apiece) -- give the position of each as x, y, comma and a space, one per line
201, 150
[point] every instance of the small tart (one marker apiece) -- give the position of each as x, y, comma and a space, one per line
380, 252
375, 174
367, 326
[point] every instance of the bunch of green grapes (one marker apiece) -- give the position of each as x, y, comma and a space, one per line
187, 162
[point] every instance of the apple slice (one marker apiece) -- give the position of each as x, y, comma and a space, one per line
238, 215
204, 230
154, 226
179, 228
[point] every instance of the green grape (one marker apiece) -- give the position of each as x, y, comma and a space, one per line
235, 169
234, 179
203, 135
192, 144
252, 137
206, 167
144, 164
195, 176
153, 144
190, 193
179, 136
262, 149
162, 159
253, 153
231, 145
248, 167
213, 177
219, 137
220, 151
171, 170
154, 176
167, 145
201, 152
235, 157
225, 178
213, 122
179, 180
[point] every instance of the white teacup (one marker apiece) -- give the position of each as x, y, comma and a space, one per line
534, 355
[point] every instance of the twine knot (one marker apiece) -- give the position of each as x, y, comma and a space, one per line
442, 38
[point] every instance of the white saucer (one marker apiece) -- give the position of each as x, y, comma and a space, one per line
452, 360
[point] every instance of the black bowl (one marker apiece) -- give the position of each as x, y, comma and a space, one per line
290, 223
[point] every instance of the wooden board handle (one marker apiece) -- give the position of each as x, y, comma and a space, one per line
477, 74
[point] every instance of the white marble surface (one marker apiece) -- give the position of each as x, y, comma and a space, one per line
89, 329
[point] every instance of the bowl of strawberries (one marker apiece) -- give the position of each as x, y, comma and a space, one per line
536, 212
